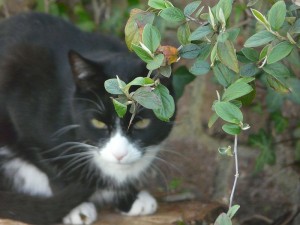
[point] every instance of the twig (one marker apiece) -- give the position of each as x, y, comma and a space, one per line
236, 171
5, 10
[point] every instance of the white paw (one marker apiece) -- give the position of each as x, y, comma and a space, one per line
145, 204
84, 214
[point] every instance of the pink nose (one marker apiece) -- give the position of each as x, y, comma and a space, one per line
120, 155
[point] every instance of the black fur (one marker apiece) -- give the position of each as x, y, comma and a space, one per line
51, 75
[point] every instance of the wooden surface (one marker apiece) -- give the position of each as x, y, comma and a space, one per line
168, 214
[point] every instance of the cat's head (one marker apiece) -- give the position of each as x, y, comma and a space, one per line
118, 151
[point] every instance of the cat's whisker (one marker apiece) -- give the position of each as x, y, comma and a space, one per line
65, 130
160, 172
91, 101
90, 110
64, 156
73, 162
99, 99
59, 146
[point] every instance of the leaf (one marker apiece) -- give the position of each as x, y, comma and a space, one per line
214, 117
261, 18
166, 71
279, 52
120, 108
264, 52
226, 6
151, 37
181, 78
227, 151
200, 67
167, 109
223, 219
156, 62
112, 86
232, 211
189, 51
277, 84
236, 90
143, 54
147, 98
231, 129
205, 50
264, 142
226, 54
191, 8
277, 69
141, 81
249, 70
200, 33
157, 4
172, 14
183, 34
233, 34
277, 14
296, 27
260, 38
224, 75
170, 53
228, 112
280, 122
274, 101
250, 54
294, 84
135, 24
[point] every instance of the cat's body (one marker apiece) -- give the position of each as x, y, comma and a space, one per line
61, 141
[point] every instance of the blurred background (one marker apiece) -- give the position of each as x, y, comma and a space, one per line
191, 169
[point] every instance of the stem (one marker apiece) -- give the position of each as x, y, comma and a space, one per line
236, 171
149, 73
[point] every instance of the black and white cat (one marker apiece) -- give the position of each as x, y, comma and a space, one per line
62, 145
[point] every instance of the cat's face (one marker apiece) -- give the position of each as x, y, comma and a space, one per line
117, 150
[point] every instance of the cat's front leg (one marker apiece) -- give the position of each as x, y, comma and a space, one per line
143, 204
84, 214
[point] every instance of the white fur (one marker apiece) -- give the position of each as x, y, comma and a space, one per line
27, 178
121, 160
4, 151
84, 214
145, 204
103, 196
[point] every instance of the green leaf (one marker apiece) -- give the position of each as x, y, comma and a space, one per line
280, 122
183, 34
151, 37
294, 84
227, 151
261, 18
141, 81
232, 211
191, 8
223, 37
172, 14
205, 50
200, 33
226, 6
250, 54
143, 54
233, 34
112, 86
277, 85
264, 52
236, 90
167, 109
156, 62
224, 75
147, 98
157, 4
120, 108
296, 27
260, 38
166, 71
249, 70
137, 20
226, 54
274, 100
277, 69
189, 51
279, 51
228, 112
223, 219
214, 117
181, 78
263, 141
277, 15
200, 67
231, 129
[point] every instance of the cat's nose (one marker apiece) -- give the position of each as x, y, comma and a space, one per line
119, 155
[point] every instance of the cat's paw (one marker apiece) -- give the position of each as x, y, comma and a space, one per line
145, 204
84, 214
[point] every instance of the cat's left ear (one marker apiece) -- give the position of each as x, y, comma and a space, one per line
85, 72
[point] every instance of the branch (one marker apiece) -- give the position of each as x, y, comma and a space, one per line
236, 171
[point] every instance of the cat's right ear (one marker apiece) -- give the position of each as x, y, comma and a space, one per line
85, 72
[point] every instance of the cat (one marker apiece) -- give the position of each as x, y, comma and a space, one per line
62, 145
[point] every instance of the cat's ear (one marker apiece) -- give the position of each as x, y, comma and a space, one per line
86, 73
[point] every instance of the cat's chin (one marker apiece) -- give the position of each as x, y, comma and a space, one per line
128, 169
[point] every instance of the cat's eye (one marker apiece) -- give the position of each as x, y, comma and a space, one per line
142, 124
98, 124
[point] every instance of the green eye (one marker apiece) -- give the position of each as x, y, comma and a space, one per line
142, 124
98, 124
